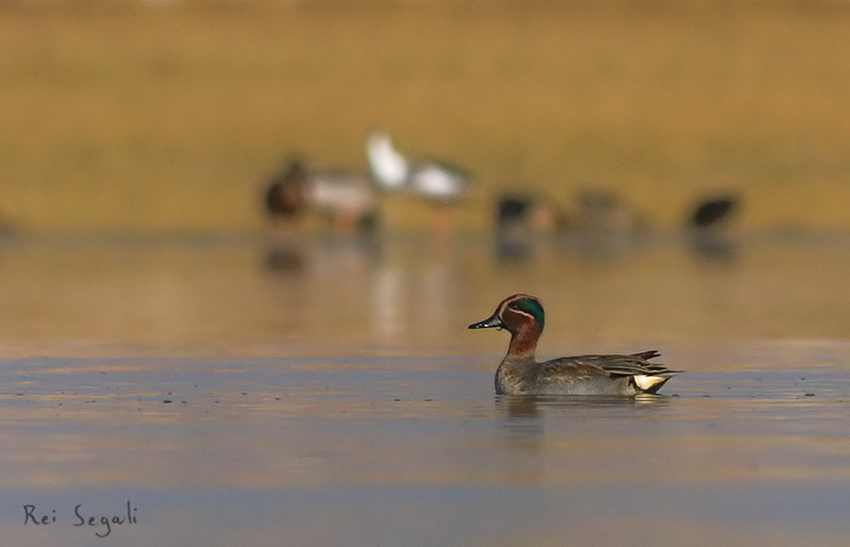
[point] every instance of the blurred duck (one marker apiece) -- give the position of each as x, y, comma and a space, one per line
285, 193
346, 199
712, 212
520, 219
603, 213
707, 222
598, 221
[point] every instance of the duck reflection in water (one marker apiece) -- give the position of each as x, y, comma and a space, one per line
524, 416
284, 257
598, 223
529, 406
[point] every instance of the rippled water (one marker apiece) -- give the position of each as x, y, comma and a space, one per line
329, 393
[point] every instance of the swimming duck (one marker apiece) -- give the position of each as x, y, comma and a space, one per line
521, 374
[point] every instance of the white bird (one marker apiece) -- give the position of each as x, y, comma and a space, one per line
388, 167
429, 179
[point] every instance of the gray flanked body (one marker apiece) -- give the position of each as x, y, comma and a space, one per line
603, 375
607, 375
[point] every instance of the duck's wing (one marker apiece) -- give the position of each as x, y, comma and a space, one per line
645, 376
572, 369
646, 355
628, 365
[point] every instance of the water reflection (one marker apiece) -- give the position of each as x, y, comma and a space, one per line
284, 256
603, 226
292, 440
405, 293
717, 247
520, 406
395, 288
524, 417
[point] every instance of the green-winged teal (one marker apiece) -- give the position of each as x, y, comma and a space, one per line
521, 374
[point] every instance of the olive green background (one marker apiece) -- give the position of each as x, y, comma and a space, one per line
167, 117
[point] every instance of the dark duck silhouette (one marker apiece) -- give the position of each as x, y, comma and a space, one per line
345, 199
712, 212
285, 196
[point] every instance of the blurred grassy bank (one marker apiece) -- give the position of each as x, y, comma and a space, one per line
167, 117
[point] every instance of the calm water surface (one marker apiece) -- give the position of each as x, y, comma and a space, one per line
330, 394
